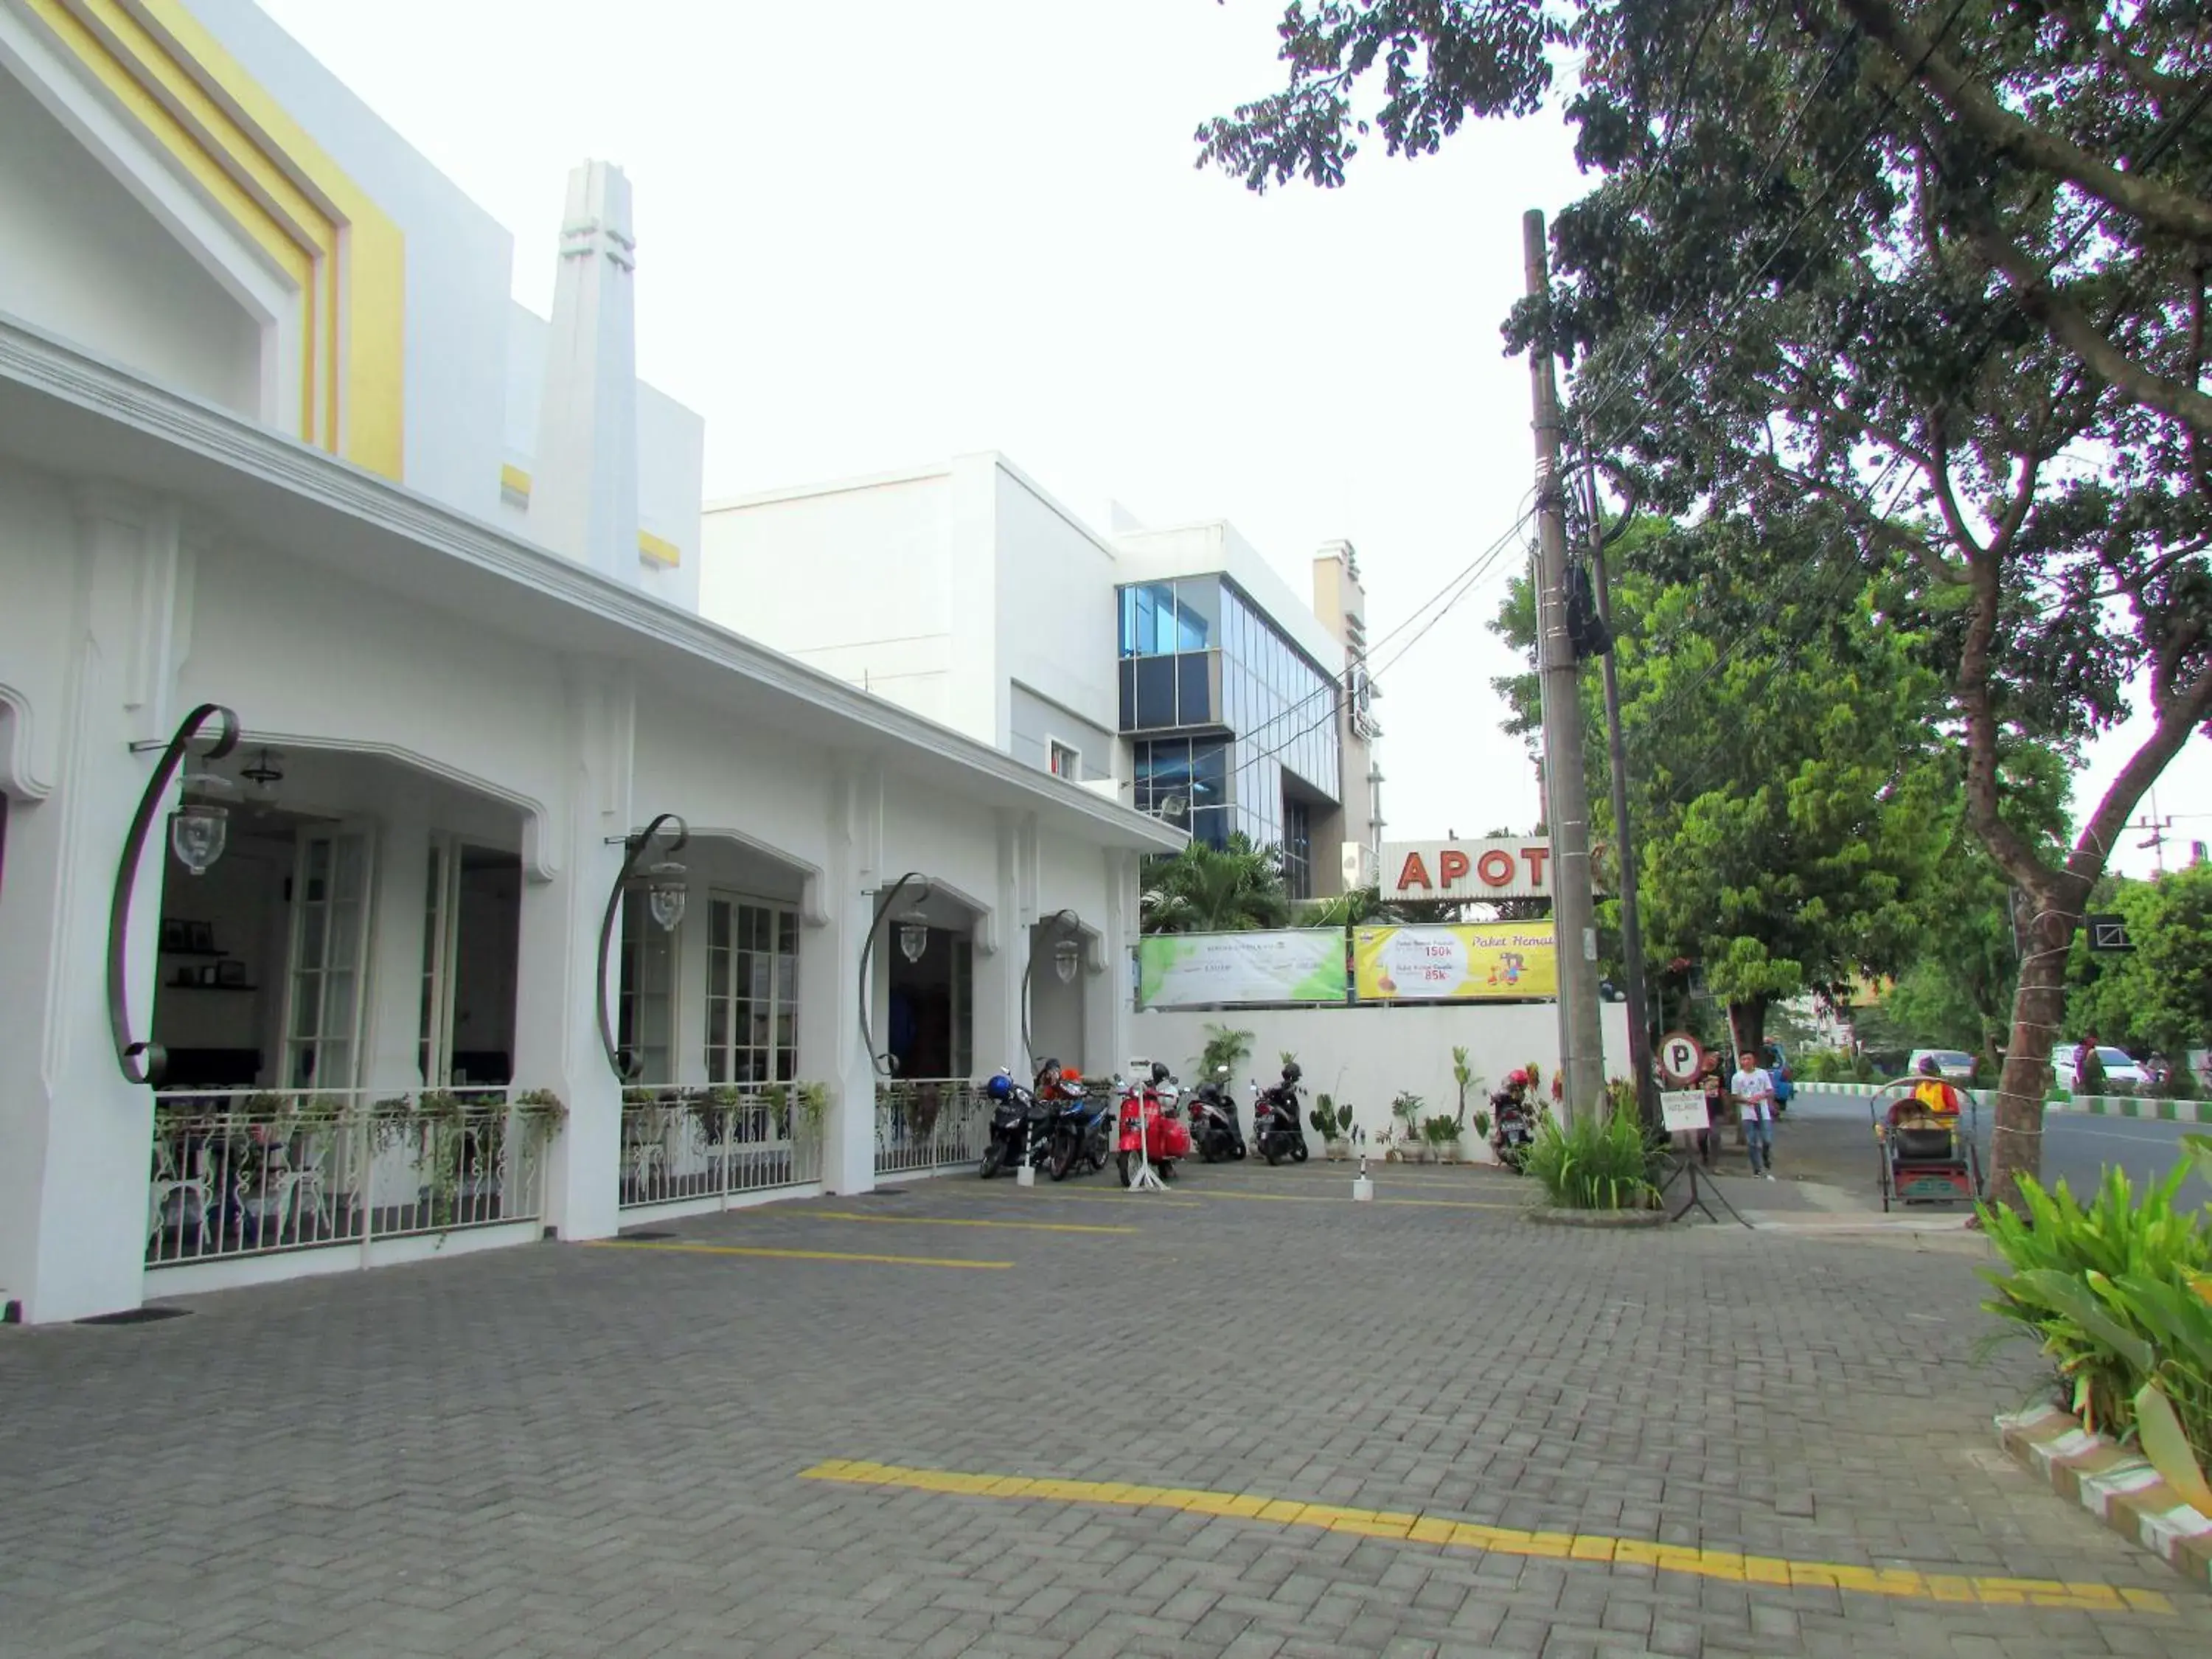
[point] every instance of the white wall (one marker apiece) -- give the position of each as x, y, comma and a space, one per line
854, 579
1056, 628
1367, 1056
81, 259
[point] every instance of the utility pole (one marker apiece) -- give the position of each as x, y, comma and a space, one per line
1574, 922
1631, 920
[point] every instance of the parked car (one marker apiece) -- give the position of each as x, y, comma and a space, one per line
2119, 1068
1951, 1065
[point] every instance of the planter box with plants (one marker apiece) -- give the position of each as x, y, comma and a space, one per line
2117, 1295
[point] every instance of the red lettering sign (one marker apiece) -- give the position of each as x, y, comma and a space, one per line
1451, 865
1495, 867
1536, 857
1415, 874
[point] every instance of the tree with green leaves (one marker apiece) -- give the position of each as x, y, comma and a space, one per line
1216, 890
2156, 997
1942, 266
1788, 794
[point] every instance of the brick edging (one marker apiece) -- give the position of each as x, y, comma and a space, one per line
2113, 1483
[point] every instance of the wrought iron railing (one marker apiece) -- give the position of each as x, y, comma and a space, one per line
930, 1123
250, 1172
718, 1142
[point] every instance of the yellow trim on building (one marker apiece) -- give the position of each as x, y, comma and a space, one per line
260, 169
514, 481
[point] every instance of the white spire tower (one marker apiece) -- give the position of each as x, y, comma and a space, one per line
583, 485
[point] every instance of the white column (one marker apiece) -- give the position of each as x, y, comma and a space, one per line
394, 1050
75, 1135
583, 480
832, 1050
687, 1014
560, 979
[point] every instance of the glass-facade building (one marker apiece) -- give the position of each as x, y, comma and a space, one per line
1223, 712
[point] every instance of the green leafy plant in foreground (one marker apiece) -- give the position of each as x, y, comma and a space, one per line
1594, 1162
2118, 1296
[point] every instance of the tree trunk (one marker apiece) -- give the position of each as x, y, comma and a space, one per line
1747, 1027
2016, 1132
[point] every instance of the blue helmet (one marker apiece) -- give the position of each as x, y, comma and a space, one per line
999, 1087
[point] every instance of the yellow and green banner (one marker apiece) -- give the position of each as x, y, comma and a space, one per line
1486, 961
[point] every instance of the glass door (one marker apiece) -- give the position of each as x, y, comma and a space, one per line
328, 958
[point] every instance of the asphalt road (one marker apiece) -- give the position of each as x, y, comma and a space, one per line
2077, 1147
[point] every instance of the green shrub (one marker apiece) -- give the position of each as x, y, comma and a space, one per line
1594, 1164
2114, 1294
1831, 1066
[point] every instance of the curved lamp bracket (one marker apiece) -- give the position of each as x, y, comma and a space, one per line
912, 878
625, 1063
144, 1062
1071, 922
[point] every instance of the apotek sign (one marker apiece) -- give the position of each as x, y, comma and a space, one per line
1519, 867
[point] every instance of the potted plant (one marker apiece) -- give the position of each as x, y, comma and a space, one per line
1441, 1133
1407, 1109
1464, 1078
1224, 1046
1482, 1152
1334, 1124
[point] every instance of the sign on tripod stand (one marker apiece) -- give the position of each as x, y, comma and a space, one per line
1683, 1111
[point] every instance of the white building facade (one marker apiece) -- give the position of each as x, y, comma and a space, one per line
304, 522
1171, 668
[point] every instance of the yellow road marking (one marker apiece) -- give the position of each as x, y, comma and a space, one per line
791, 1255
1907, 1582
1119, 1195
955, 1221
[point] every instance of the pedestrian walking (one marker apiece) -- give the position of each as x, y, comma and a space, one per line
1753, 1085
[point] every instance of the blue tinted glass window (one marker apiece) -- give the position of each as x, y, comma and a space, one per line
1194, 690
1155, 693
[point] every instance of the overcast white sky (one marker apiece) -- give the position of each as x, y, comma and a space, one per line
882, 233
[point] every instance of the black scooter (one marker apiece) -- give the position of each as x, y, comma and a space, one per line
1214, 1127
1021, 1129
1277, 1132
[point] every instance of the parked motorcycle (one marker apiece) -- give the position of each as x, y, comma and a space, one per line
1079, 1123
1512, 1128
1021, 1126
1151, 1131
1213, 1127
1277, 1131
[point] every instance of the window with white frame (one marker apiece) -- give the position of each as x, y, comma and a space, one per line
752, 991
645, 1025
1067, 762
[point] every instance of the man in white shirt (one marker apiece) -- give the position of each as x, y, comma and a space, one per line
1753, 1085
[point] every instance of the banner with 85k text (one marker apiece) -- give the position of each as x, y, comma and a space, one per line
1489, 961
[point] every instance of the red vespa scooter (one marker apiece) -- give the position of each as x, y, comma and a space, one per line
1151, 1130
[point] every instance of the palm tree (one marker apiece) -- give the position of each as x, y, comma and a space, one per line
1216, 890
1360, 908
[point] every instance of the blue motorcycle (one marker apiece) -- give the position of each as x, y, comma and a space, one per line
1082, 1128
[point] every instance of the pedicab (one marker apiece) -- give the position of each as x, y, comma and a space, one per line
1926, 1132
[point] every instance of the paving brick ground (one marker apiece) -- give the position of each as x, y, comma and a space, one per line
566, 1450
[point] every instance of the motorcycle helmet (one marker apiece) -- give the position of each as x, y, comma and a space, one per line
1291, 1073
1159, 1071
1000, 1087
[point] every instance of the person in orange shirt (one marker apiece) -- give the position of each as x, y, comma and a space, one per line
1932, 1091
